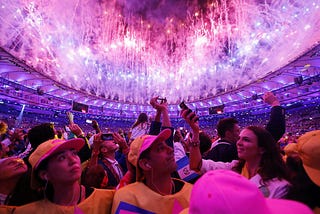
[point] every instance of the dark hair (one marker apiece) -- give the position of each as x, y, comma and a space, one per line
93, 176
49, 191
42, 166
302, 188
271, 163
40, 133
145, 154
226, 124
22, 193
205, 142
142, 118
59, 134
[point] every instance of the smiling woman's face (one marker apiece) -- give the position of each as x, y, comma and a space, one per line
247, 146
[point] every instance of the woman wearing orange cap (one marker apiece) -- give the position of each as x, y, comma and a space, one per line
56, 169
305, 170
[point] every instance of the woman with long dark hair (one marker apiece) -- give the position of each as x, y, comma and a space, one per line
270, 164
140, 126
259, 159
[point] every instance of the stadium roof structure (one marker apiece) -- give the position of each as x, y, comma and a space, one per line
115, 55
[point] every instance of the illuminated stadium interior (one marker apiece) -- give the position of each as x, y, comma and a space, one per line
113, 56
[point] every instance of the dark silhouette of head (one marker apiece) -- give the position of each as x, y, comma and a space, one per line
40, 133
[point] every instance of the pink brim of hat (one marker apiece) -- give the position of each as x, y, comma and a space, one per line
314, 174
281, 206
276, 206
162, 136
75, 143
226, 192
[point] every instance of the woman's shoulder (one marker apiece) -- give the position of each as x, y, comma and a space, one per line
4, 209
99, 194
273, 188
35, 207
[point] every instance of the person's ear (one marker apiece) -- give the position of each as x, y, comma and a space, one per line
144, 165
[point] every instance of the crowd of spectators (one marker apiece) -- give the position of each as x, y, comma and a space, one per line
150, 163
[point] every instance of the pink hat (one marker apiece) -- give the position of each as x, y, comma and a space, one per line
47, 149
226, 192
142, 143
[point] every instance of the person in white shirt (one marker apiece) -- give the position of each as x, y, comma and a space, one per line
140, 127
259, 158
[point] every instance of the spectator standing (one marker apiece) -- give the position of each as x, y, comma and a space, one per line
140, 126
225, 149
259, 158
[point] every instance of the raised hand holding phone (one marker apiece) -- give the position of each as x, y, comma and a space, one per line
183, 106
162, 100
118, 139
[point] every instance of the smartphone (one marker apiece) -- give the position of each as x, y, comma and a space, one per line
162, 99
108, 136
184, 106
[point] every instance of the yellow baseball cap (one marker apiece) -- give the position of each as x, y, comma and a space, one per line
308, 147
47, 149
141, 144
